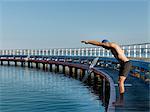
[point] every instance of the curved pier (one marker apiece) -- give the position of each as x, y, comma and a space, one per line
75, 63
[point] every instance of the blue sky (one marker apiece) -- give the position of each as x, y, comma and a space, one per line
63, 23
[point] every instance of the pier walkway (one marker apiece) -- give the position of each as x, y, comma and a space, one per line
137, 98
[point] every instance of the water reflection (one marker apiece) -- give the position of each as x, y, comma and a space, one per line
25, 89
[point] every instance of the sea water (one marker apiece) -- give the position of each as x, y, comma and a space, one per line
32, 90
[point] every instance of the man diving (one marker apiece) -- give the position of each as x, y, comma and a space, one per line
125, 64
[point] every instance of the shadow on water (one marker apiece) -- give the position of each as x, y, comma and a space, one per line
96, 85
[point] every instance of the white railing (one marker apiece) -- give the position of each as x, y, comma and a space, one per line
133, 50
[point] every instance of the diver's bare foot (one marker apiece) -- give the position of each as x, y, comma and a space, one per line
118, 103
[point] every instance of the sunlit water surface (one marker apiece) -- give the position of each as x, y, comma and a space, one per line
31, 90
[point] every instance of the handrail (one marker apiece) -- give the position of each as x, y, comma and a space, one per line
133, 50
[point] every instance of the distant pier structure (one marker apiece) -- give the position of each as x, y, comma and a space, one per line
133, 51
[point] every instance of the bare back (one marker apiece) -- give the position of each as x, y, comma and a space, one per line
119, 53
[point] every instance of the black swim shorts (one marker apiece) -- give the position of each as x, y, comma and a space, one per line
125, 68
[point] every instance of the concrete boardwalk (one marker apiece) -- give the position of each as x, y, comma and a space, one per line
137, 96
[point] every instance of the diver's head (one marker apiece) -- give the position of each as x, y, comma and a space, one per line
105, 41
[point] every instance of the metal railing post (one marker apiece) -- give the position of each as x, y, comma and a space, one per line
146, 49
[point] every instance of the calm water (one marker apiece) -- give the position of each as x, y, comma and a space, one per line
31, 90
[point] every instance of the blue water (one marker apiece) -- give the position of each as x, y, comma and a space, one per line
31, 90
